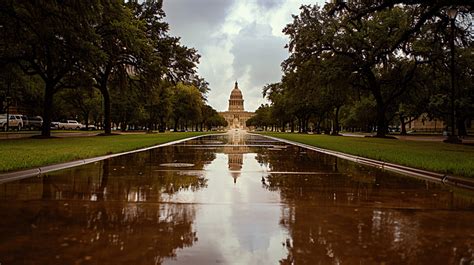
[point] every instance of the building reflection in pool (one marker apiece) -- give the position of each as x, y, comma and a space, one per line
287, 205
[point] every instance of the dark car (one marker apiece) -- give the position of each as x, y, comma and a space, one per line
54, 125
90, 127
32, 123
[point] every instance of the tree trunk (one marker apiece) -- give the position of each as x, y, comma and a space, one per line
306, 124
403, 125
381, 124
86, 119
335, 130
461, 126
381, 121
162, 126
47, 109
176, 122
106, 97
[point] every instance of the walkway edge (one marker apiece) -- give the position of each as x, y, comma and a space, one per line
17, 175
415, 172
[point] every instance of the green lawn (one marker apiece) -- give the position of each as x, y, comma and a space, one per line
445, 158
29, 153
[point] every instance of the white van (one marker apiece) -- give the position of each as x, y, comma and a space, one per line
14, 121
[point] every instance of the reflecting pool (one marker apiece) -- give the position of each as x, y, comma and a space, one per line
233, 199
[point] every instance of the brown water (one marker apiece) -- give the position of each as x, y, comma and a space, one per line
233, 199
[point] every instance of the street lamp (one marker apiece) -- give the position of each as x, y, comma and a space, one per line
453, 137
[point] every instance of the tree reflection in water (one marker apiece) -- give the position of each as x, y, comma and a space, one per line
108, 233
344, 213
111, 212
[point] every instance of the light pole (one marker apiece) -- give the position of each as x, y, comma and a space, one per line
453, 137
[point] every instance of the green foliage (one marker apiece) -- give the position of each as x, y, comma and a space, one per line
122, 49
361, 114
211, 118
187, 103
29, 153
434, 156
396, 55
262, 118
48, 39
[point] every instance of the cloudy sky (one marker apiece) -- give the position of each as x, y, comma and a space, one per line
238, 40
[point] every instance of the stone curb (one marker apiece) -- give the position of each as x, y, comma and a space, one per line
17, 175
414, 172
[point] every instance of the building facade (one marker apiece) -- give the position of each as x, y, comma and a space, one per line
236, 116
426, 124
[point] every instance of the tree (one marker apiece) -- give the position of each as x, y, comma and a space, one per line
48, 39
335, 90
262, 117
281, 110
85, 101
426, 10
187, 103
375, 60
361, 114
122, 42
211, 119
169, 62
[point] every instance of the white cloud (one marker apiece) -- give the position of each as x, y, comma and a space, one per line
238, 40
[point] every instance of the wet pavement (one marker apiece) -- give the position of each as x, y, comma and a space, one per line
233, 199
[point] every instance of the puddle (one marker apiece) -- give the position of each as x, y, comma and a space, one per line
233, 199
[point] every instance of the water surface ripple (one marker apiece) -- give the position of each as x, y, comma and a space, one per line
233, 199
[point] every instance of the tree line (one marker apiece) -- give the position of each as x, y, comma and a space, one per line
367, 65
106, 61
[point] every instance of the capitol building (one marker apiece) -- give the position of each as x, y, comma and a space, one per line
236, 116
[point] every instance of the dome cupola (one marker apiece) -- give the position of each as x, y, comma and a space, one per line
236, 93
236, 101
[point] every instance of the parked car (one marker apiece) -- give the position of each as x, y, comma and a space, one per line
54, 125
70, 125
90, 127
32, 123
14, 121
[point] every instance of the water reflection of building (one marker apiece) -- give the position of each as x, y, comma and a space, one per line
236, 116
235, 164
235, 153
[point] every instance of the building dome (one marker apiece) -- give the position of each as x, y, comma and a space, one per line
236, 101
236, 93
236, 116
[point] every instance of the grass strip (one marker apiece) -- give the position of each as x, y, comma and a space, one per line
457, 160
19, 154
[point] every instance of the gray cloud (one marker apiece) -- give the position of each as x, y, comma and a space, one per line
258, 53
195, 20
269, 4
236, 41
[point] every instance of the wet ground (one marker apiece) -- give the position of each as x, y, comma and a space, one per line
233, 199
